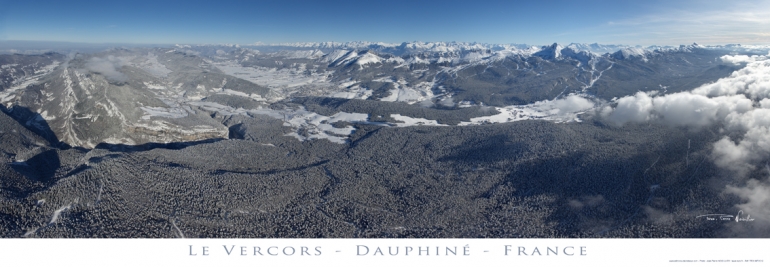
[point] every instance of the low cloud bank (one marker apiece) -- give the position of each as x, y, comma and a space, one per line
571, 104
108, 67
740, 102
678, 109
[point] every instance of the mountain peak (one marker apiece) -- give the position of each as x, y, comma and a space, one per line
550, 51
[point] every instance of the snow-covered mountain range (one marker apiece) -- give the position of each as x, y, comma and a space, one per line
139, 95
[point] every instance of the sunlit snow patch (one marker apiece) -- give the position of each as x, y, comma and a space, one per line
282, 82
561, 110
403, 92
315, 126
241, 94
368, 58
163, 112
154, 86
409, 121
308, 125
354, 92
57, 213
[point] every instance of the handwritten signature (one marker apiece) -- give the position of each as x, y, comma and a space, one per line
726, 217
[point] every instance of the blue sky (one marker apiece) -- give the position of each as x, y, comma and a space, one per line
530, 22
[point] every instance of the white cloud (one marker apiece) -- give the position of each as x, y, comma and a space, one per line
738, 59
740, 100
427, 103
571, 104
741, 156
753, 80
634, 108
765, 103
686, 109
732, 156
108, 67
756, 197
679, 109
759, 117
447, 102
